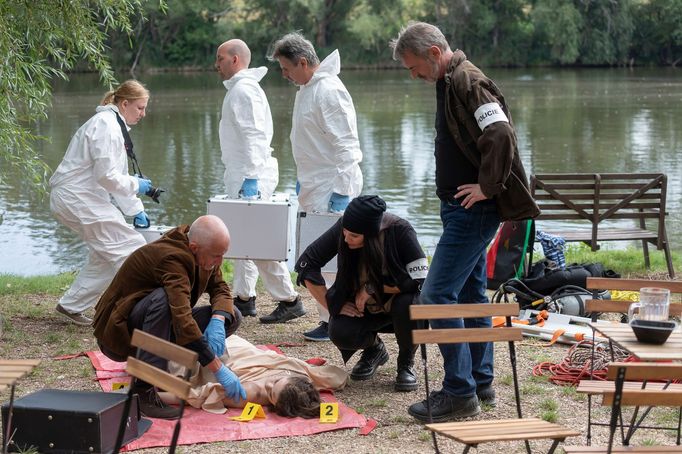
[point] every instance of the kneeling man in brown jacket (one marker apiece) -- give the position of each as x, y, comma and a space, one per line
156, 291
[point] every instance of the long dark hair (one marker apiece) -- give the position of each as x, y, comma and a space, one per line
298, 398
349, 261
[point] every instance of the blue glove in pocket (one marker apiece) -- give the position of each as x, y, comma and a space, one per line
231, 384
338, 202
145, 185
141, 220
249, 189
215, 336
298, 187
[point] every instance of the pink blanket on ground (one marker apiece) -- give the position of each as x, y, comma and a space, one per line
199, 426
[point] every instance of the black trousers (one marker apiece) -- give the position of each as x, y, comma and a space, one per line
350, 334
152, 315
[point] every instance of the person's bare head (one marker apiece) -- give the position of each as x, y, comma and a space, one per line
209, 240
232, 56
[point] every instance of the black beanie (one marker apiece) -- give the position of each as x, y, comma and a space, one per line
363, 215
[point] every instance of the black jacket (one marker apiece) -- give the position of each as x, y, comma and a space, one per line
405, 263
494, 150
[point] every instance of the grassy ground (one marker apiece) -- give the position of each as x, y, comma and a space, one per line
31, 329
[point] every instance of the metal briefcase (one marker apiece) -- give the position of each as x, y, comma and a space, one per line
62, 421
154, 232
259, 229
309, 228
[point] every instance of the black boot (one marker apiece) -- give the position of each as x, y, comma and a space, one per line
406, 379
284, 312
371, 358
151, 405
247, 308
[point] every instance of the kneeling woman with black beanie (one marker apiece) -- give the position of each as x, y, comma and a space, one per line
381, 268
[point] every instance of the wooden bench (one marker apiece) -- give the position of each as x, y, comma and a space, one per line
605, 198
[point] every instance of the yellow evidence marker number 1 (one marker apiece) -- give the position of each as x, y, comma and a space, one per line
250, 411
329, 412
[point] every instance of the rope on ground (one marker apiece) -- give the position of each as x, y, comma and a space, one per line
576, 365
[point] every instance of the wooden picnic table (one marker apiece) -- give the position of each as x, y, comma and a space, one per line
622, 335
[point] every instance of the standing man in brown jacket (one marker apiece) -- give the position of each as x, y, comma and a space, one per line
156, 290
480, 181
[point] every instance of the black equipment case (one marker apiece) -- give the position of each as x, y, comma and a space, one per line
61, 421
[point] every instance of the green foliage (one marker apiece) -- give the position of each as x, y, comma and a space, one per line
17, 285
557, 31
623, 261
41, 40
658, 32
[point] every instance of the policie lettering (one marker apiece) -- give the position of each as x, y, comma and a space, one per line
489, 113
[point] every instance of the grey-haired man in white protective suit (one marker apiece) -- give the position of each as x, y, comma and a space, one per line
251, 171
324, 135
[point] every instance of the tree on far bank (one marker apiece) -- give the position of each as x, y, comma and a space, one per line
41, 40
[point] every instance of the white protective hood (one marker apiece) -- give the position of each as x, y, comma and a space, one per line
324, 138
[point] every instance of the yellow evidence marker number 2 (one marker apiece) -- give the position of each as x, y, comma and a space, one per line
329, 412
250, 412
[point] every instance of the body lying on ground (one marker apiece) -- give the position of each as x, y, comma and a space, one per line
289, 385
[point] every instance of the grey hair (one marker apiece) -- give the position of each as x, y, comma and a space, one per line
417, 38
293, 46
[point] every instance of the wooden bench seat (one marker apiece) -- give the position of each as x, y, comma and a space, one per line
596, 207
476, 432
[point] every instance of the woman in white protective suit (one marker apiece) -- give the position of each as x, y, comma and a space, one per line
324, 135
95, 170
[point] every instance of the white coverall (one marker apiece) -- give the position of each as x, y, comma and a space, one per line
95, 170
245, 137
324, 141
324, 138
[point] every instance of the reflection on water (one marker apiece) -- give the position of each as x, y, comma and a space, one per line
567, 121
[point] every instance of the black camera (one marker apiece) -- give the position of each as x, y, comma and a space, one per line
154, 193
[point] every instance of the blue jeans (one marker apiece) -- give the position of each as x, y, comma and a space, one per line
457, 275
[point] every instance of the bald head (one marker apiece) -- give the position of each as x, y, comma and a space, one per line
209, 240
232, 56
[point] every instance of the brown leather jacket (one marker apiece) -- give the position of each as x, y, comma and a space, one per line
168, 263
494, 150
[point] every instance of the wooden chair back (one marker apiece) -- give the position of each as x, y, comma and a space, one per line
160, 378
167, 350
596, 306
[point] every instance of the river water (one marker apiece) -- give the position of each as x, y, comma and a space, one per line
568, 120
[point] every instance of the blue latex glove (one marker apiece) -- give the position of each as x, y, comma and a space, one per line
145, 185
298, 187
249, 189
141, 220
338, 202
233, 388
215, 335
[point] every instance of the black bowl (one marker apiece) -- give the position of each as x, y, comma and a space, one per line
652, 332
